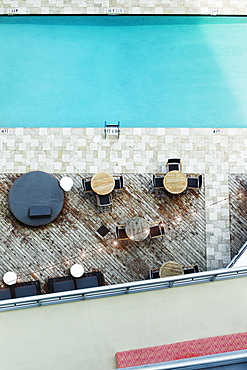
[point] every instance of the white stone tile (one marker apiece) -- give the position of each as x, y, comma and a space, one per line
93, 169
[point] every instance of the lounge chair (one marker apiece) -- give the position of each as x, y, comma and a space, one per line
61, 284
5, 293
86, 282
27, 289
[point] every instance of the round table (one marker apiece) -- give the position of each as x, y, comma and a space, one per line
36, 198
175, 182
137, 228
102, 183
171, 268
10, 278
77, 270
66, 183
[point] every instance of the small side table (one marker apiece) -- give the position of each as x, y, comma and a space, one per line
10, 278
103, 230
66, 183
77, 270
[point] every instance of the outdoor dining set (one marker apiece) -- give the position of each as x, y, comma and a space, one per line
138, 229
102, 184
37, 198
174, 180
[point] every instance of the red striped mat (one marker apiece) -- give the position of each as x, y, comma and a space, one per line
181, 350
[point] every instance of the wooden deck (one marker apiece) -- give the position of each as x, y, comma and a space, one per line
238, 211
49, 251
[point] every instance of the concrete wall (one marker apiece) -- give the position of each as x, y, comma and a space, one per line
86, 335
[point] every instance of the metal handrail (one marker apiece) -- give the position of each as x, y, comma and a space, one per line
205, 362
240, 253
121, 289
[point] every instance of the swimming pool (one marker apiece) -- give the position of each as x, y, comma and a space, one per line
144, 71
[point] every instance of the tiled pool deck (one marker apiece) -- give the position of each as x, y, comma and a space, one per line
216, 154
221, 7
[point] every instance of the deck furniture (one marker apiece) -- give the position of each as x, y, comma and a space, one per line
27, 289
171, 268
137, 228
86, 282
194, 181
77, 270
156, 230
154, 273
61, 284
190, 269
175, 182
158, 181
121, 232
102, 183
173, 164
40, 211
118, 183
10, 278
98, 274
104, 202
66, 183
86, 185
36, 198
90, 280
103, 230
67, 283
5, 293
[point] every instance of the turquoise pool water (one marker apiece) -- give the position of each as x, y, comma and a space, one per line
144, 71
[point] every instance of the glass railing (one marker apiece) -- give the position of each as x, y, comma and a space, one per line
121, 289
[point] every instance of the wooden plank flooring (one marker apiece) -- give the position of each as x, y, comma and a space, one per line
49, 251
238, 211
